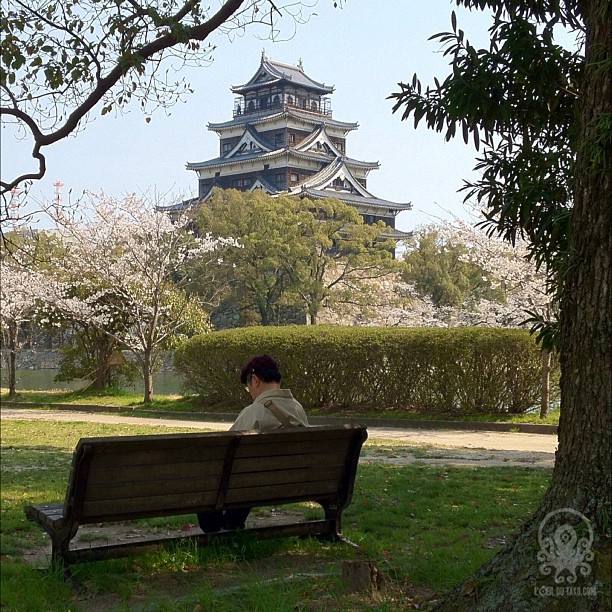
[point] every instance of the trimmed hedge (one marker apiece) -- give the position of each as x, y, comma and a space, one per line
460, 370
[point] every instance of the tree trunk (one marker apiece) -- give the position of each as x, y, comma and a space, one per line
516, 579
313, 312
13, 330
263, 313
147, 375
102, 351
545, 391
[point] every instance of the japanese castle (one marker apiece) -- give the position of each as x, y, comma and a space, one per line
282, 139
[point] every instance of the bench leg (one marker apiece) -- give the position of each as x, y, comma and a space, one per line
60, 543
334, 516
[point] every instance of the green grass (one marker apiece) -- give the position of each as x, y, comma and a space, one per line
132, 403
426, 528
109, 398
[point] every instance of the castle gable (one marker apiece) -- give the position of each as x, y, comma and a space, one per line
319, 142
334, 178
251, 143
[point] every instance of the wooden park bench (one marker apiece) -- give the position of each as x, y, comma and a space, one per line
124, 478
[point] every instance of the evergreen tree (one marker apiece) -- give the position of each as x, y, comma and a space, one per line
543, 115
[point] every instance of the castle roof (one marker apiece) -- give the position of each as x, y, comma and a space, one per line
268, 155
271, 72
366, 204
337, 181
294, 113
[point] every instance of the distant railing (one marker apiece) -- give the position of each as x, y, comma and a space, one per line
320, 107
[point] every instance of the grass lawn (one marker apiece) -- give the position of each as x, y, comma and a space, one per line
132, 403
426, 528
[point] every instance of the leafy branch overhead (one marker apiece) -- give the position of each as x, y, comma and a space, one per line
517, 101
544, 116
61, 60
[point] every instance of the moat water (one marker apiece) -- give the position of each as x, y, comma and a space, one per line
42, 380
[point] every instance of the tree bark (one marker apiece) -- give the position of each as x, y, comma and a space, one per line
582, 478
13, 330
147, 375
545, 393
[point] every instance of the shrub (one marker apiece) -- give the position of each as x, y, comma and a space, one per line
461, 370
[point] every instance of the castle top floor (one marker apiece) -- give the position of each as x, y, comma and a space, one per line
276, 86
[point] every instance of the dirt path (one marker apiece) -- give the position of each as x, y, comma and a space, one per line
391, 445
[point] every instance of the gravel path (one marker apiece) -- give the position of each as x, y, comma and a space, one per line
391, 445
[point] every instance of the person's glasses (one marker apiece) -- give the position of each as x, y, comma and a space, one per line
248, 381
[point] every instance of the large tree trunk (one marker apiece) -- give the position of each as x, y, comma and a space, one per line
516, 579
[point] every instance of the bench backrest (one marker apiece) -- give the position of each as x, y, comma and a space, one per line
114, 478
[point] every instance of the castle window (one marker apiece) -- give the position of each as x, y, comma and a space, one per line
295, 177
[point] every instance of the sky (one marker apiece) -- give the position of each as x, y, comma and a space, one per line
363, 49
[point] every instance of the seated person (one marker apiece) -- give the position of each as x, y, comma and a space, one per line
272, 408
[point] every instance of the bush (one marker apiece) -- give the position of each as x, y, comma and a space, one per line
461, 370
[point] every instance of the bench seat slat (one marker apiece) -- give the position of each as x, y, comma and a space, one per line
296, 461
282, 476
314, 435
113, 444
305, 448
102, 474
146, 487
47, 514
153, 456
289, 492
175, 503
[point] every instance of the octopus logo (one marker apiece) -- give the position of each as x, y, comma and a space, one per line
565, 537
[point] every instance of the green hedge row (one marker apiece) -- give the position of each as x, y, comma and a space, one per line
461, 370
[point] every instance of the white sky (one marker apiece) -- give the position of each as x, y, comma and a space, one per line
363, 49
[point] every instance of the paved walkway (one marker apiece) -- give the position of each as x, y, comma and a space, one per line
446, 438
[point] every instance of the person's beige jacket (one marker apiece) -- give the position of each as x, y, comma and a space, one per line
257, 416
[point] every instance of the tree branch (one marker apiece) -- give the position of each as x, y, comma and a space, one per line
146, 52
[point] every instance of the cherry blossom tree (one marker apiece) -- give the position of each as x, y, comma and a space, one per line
505, 269
131, 263
20, 289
